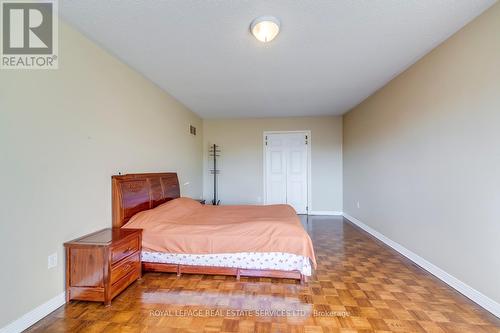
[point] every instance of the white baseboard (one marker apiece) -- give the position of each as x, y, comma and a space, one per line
481, 299
325, 212
34, 315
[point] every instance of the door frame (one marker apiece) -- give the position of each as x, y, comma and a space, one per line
264, 159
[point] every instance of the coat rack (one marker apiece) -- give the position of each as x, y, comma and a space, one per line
214, 152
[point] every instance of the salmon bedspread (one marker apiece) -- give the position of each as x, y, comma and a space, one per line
184, 225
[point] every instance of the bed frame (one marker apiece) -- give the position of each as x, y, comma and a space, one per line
133, 193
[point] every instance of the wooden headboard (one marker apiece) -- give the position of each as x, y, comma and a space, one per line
134, 193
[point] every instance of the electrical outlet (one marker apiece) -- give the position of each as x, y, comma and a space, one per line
52, 260
357, 204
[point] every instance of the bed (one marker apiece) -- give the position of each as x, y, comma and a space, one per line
180, 235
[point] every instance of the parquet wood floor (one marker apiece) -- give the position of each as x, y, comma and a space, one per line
360, 286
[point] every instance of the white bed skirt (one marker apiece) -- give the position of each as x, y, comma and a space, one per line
249, 260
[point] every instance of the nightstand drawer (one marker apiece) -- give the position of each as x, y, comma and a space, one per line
124, 249
125, 267
121, 284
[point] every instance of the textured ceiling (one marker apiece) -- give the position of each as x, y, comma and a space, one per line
328, 57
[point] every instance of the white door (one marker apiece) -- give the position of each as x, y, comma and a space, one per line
276, 181
286, 169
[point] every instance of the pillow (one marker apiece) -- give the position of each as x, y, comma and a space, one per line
170, 211
178, 207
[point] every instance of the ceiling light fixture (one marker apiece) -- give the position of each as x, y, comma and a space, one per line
265, 28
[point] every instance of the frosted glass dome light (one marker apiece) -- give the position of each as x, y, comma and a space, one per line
265, 28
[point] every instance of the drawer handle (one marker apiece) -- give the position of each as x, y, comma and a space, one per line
127, 267
128, 249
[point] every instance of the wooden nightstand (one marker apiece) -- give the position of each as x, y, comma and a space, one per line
101, 265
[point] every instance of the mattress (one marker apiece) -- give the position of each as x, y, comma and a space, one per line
248, 260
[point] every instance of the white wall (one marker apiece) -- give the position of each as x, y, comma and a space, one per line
63, 133
241, 140
422, 157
